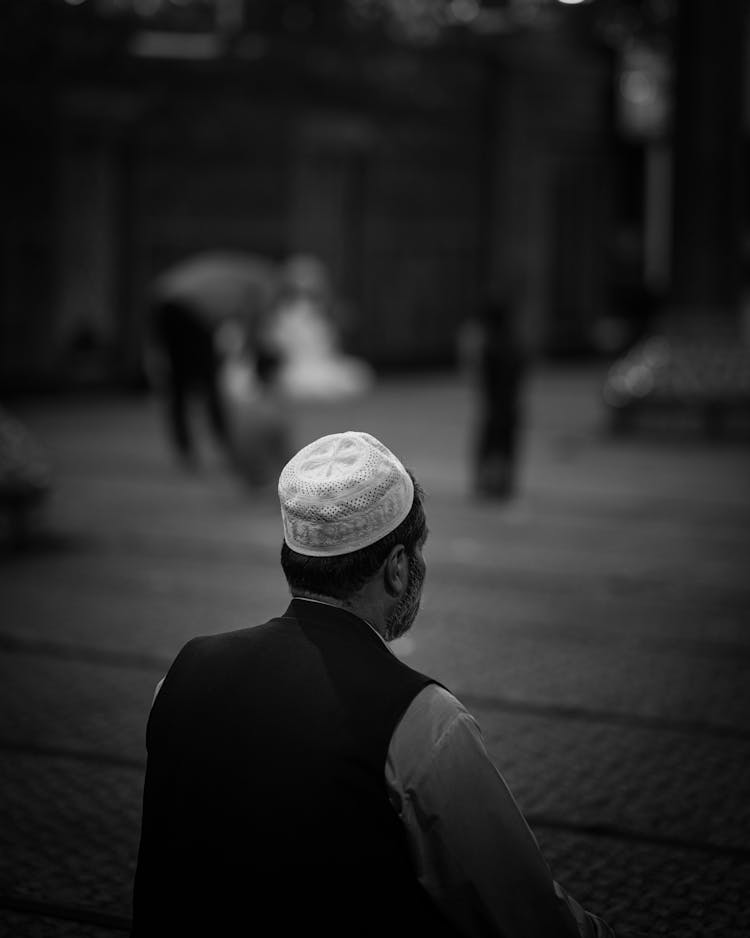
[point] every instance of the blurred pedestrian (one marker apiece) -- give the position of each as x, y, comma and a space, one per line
255, 420
195, 305
301, 779
25, 478
500, 367
306, 333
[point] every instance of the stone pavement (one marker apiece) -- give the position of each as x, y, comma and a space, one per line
598, 625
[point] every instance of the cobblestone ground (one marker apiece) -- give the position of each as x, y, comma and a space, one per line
597, 625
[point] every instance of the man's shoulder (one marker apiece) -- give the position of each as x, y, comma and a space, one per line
202, 654
216, 643
437, 707
436, 724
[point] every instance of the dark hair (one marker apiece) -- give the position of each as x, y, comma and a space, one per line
342, 576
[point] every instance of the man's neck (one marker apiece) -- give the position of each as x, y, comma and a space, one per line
356, 606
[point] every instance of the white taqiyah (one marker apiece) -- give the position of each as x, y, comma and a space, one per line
342, 492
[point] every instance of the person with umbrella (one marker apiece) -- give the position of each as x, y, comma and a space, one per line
203, 310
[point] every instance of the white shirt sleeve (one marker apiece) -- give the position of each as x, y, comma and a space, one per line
156, 691
473, 851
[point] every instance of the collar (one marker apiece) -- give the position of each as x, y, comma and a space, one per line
297, 607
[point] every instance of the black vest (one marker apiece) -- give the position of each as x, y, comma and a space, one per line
265, 810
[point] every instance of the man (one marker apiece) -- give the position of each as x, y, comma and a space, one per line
500, 370
301, 779
201, 310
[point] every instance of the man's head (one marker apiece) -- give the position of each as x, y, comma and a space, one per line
354, 527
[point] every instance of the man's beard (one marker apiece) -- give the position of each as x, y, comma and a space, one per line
402, 617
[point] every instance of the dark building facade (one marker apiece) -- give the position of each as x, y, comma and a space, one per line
425, 177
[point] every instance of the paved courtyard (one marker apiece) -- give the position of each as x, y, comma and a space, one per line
598, 625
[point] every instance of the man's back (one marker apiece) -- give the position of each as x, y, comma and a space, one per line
265, 801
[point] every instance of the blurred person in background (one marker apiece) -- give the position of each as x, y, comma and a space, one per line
499, 365
306, 335
208, 314
301, 779
25, 478
256, 422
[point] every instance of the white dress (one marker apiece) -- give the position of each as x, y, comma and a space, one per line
313, 367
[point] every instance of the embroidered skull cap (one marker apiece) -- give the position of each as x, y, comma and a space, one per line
342, 492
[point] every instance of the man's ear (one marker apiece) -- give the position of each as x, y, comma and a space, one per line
396, 570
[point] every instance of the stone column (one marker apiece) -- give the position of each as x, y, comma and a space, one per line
707, 214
